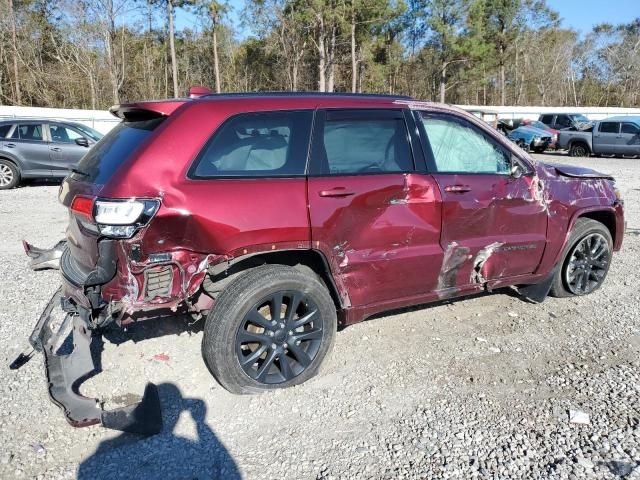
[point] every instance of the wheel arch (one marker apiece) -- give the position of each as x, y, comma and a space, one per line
13, 160
581, 141
309, 259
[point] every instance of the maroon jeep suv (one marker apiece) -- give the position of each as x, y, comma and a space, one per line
278, 217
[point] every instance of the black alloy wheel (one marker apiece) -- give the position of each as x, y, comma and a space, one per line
588, 263
279, 337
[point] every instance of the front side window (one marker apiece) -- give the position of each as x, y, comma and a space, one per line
631, 128
362, 142
264, 144
457, 147
563, 121
547, 119
609, 127
60, 134
28, 131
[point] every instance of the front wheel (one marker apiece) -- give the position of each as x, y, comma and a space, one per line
579, 150
539, 149
269, 328
586, 260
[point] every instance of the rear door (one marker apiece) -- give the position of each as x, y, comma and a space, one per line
606, 139
64, 152
27, 143
376, 219
630, 138
493, 224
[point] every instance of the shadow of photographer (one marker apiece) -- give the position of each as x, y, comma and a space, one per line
166, 455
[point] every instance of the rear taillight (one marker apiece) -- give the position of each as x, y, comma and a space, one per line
119, 218
83, 206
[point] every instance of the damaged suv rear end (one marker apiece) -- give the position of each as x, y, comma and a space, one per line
277, 217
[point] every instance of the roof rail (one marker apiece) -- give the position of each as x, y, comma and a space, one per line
303, 94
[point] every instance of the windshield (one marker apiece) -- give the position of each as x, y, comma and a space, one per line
90, 132
102, 161
539, 125
579, 118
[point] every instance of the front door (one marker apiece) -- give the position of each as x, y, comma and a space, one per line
64, 152
374, 218
606, 139
494, 225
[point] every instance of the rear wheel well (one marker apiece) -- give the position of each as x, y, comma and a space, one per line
608, 219
11, 161
308, 261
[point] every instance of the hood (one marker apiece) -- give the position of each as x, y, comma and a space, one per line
579, 172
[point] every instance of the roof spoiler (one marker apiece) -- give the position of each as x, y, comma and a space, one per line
145, 110
198, 91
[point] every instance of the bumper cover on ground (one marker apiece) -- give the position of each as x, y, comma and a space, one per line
66, 372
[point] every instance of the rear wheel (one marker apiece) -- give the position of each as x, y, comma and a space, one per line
9, 175
270, 328
586, 260
579, 149
539, 149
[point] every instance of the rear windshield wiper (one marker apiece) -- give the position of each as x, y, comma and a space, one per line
79, 172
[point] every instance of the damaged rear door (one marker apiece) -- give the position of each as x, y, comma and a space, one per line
375, 219
493, 223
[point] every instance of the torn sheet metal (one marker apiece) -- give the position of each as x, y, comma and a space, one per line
455, 257
478, 272
43, 258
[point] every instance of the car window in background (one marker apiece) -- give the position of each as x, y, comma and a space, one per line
4, 130
60, 134
547, 119
631, 128
89, 132
539, 125
120, 144
459, 148
608, 127
579, 118
258, 145
28, 131
563, 121
365, 145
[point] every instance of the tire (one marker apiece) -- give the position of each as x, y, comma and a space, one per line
539, 149
584, 230
521, 144
9, 175
243, 311
579, 149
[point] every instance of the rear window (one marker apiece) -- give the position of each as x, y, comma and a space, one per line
106, 156
4, 129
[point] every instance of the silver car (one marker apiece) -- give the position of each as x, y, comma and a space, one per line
38, 148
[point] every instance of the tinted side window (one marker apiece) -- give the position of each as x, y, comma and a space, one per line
457, 147
563, 121
609, 127
258, 145
28, 131
631, 128
4, 129
362, 141
546, 119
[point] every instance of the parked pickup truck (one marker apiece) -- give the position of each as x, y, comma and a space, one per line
612, 136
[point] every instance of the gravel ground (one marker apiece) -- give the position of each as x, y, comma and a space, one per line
475, 388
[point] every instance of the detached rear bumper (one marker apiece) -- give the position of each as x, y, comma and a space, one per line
65, 373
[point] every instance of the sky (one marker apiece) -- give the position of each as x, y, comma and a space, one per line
580, 15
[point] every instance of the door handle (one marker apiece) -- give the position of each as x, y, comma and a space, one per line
10, 145
56, 149
336, 192
457, 188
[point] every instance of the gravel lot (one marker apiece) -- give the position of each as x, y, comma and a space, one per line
474, 388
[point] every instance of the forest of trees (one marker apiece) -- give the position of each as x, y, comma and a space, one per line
95, 53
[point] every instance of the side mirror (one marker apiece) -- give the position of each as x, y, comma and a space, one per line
83, 142
516, 169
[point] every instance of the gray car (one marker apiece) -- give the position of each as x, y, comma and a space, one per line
37, 148
619, 136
